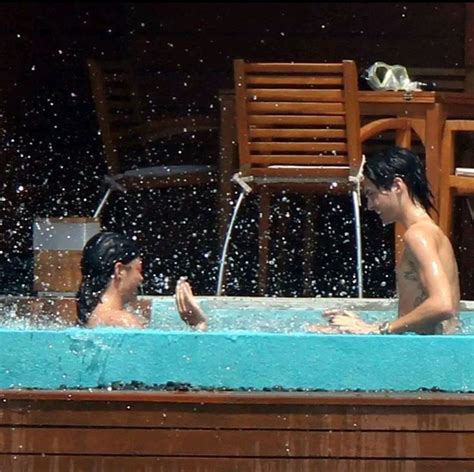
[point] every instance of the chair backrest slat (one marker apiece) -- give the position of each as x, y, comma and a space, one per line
284, 133
297, 95
294, 80
297, 120
297, 108
312, 160
294, 67
298, 147
118, 110
297, 115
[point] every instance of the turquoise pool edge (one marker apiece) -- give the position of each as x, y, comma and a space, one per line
78, 358
239, 358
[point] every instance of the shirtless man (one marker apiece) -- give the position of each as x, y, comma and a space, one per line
111, 274
396, 188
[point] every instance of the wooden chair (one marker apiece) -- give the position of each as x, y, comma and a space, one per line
128, 134
298, 128
454, 181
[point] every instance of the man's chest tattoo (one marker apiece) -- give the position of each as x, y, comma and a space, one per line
411, 274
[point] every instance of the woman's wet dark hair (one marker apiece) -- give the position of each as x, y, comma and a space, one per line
382, 168
99, 257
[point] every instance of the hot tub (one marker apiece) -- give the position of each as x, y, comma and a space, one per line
256, 392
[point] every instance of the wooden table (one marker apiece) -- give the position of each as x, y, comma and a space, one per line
430, 108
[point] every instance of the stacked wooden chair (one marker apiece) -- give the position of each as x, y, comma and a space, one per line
298, 128
128, 133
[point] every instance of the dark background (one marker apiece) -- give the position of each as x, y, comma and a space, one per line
51, 158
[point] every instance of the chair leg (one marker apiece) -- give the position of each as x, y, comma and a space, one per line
280, 234
112, 185
102, 202
263, 240
403, 139
309, 246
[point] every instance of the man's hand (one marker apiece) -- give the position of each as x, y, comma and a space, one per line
322, 329
188, 308
345, 321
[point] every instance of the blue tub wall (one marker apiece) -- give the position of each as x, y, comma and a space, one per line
77, 357
81, 358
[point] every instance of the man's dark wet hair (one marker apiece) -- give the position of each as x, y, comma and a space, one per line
99, 257
384, 166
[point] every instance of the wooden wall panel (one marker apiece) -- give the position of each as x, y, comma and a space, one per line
154, 431
46, 463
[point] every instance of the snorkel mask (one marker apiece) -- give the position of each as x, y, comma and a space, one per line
381, 76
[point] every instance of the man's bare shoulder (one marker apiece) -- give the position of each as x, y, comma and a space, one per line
422, 230
422, 237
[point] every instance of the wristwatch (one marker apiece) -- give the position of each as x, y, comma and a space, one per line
384, 328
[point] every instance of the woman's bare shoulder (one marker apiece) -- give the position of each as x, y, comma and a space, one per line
116, 318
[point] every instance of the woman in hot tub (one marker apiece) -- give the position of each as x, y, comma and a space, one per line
111, 274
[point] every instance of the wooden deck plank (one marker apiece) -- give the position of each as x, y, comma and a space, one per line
285, 417
39, 463
237, 443
427, 398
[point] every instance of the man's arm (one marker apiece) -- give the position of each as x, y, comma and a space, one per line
438, 305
